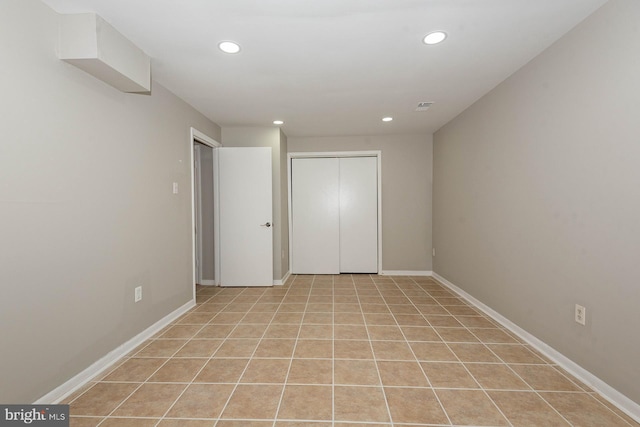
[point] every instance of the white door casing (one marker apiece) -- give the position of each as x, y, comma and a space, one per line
197, 191
198, 137
245, 212
318, 241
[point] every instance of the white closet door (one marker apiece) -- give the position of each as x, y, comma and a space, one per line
315, 216
358, 215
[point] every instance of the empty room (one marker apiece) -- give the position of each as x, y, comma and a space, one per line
320, 213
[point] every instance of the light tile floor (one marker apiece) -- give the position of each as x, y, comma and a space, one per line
348, 350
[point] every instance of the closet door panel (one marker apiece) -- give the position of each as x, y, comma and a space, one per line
315, 216
358, 215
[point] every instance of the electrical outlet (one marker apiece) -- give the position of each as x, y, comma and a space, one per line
138, 294
581, 315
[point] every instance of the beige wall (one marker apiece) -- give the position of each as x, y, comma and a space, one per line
537, 201
87, 210
406, 193
274, 138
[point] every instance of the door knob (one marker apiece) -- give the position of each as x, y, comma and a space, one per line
268, 224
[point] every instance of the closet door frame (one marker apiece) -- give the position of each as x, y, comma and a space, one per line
337, 154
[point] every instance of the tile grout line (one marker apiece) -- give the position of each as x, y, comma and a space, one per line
465, 366
611, 410
457, 357
508, 365
521, 379
205, 364
485, 346
219, 417
210, 357
125, 358
145, 381
388, 290
411, 348
293, 352
373, 354
333, 353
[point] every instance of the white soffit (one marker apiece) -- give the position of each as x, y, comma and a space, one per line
91, 44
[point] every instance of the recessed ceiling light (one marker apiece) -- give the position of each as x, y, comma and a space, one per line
278, 122
229, 47
387, 119
435, 37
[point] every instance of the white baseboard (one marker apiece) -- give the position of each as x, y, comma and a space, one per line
207, 282
618, 399
405, 273
64, 390
283, 280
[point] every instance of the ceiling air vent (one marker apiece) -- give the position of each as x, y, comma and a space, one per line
424, 106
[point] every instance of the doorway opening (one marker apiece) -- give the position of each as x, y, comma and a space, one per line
205, 220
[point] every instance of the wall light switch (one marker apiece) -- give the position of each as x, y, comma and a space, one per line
175, 188
581, 315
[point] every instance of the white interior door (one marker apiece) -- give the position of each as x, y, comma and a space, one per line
315, 214
358, 215
245, 212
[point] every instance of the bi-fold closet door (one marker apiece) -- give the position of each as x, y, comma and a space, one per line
334, 215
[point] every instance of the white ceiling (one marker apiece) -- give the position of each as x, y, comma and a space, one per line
336, 67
